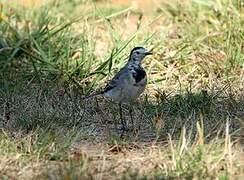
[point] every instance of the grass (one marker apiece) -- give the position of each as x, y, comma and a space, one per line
189, 120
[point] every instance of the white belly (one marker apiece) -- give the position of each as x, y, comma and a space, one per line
127, 92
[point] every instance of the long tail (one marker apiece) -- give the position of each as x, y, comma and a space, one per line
92, 95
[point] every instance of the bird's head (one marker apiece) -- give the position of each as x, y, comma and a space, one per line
138, 54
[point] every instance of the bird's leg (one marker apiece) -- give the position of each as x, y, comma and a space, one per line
131, 115
121, 118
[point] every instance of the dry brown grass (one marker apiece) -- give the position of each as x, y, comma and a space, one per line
189, 121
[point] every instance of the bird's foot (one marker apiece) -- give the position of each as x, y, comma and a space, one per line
135, 131
124, 131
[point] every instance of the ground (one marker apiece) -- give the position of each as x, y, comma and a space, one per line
188, 122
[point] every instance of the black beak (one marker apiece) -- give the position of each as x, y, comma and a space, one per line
148, 53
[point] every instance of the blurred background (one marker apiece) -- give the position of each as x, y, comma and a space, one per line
190, 119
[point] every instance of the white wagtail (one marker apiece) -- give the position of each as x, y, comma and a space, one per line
127, 85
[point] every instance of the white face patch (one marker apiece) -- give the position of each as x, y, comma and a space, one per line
138, 54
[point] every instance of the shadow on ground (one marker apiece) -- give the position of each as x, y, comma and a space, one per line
34, 107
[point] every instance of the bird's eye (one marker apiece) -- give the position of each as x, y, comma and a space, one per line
137, 52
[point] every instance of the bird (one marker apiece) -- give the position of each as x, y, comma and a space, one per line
128, 84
